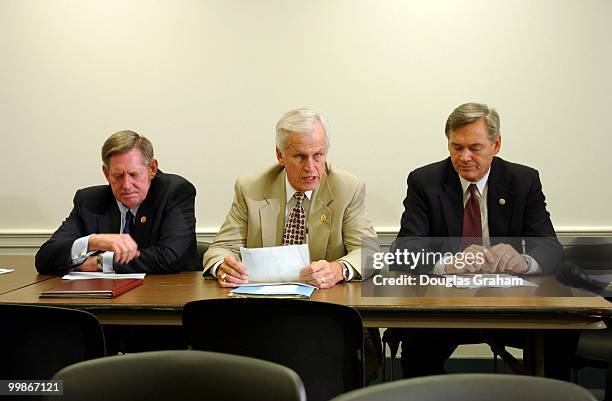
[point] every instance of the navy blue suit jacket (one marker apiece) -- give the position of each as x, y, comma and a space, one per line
433, 207
164, 228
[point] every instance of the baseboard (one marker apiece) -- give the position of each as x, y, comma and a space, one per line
18, 241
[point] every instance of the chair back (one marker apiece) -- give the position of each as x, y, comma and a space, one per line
179, 376
471, 387
201, 247
322, 342
37, 341
590, 253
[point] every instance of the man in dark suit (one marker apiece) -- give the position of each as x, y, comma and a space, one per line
142, 222
478, 204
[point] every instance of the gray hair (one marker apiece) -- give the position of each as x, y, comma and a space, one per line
468, 113
299, 121
124, 141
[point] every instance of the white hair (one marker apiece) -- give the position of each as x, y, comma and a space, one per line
299, 121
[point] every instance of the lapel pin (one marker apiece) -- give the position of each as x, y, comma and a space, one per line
143, 219
502, 201
323, 218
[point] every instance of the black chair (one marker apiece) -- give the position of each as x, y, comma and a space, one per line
471, 387
179, 376
322, 342
37, 341
594, 346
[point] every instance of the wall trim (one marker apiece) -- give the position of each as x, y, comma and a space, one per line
28, 241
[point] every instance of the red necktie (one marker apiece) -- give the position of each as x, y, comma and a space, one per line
472, 224
295, 228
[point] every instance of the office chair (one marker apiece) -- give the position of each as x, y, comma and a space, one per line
471, 387
179, 376
594, 346
37, 341
322, 342
202, 247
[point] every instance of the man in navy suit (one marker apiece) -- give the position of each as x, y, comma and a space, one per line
482, 205
142, 222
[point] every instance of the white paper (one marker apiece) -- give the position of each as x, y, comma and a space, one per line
91, 275
275, 264
2, 271
488, 281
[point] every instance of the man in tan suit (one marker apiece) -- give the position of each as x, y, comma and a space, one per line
335, 224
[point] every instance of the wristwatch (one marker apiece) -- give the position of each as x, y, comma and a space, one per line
100, 262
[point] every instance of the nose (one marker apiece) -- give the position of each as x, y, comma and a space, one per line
465, 155
127, 182
309, 164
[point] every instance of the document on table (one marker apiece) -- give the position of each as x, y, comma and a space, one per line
488, 281
273, 290
275, 264
2, 271
92, 275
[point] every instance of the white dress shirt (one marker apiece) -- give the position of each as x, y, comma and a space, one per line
482, 186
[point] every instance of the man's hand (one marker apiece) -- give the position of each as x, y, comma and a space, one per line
473, 260
231, 273
322, 274
504, 258
124, 247
90, 265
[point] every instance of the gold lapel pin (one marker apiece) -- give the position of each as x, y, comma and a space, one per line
323, 218
502, 201
143, 219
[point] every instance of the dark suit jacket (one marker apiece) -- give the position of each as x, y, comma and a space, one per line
433, 207
164, 229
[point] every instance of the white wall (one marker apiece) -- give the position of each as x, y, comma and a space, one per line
206, 81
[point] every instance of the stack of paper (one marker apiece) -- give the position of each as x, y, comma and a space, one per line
273, 290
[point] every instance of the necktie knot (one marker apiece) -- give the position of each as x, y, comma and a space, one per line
299, 196
472, 189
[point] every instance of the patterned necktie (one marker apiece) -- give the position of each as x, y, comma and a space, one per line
129, 222
472, 224
295, 228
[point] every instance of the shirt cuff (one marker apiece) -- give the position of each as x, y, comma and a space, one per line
351, 272
534, 266
79, 247
107, 262
213, 269
78, 252
439, 268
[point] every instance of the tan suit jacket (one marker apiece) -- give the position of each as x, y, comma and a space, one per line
338, 227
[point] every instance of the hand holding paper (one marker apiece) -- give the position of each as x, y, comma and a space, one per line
231, 273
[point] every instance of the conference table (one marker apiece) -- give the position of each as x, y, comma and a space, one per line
159, 301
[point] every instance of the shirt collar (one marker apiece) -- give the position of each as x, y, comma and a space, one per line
480, 184
290, 190
124, 209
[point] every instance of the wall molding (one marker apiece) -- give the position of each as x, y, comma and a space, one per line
28, 241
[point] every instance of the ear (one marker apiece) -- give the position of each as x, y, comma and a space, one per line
279, 157
152, 169
106, 173
497, 144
